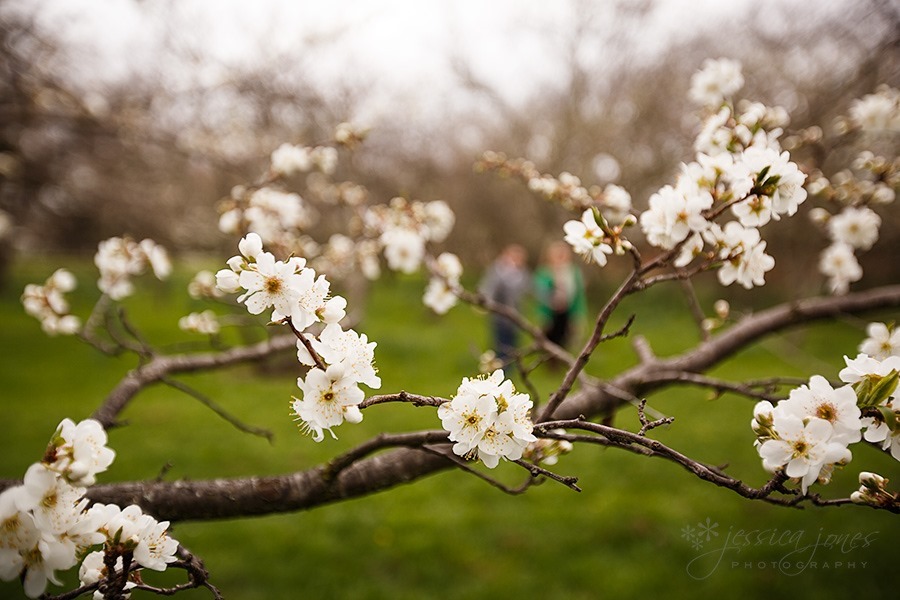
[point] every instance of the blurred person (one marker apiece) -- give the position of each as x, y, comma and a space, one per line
559, 288
507, 280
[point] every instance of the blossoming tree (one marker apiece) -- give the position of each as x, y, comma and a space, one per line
711, 218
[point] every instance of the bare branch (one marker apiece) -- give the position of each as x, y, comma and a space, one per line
219, 410
161, 366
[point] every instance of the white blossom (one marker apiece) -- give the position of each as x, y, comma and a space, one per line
118, 259
745, 259
718, 80
837, 406
881, 342
879, 112
488, 418
587, 238
79, 452
48, 304
802, 449
329, 397
274, 284
856, 227
288, 159
672, 216
438, 220
864, 365
203, 285
839, 264
404, 249
439, 296
204, 322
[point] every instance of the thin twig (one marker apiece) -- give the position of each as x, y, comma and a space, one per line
596, 337
646, 424
219, 410
694, 306
537, 471
461, 464
402, 396
379, 442
307, 344
719, 385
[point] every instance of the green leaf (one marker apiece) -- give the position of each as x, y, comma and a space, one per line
890, 417
873, 390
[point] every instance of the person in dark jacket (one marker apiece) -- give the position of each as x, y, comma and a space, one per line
506, 282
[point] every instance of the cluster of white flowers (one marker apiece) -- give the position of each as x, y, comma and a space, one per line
739, 165
716, 81
547, 450
808, 434
290, 288
45, 525
440, 295
205, 322
350, 134
289, 159
203, 285
121, 258
856, 227
276, 216
873, 490
332, 396
566, 189
47, 303
342, 359
878, 112
403, 228
875, 382
882, 341
488, 419
587, 238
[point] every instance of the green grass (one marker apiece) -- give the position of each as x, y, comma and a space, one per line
450, 535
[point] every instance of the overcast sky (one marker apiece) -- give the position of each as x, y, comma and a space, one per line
403, 45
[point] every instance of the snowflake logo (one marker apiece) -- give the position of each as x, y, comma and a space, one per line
703, 532
707, 530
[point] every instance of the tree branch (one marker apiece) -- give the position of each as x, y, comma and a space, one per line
244, 497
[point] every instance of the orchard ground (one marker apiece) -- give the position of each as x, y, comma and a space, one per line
640, 527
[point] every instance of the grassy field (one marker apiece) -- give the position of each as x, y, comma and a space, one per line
451, 535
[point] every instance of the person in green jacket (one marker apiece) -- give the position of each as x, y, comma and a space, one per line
559, 290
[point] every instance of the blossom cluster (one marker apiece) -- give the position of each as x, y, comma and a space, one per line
204, 322
118, 259
46, 525
404, 227
488, 419
854, 227
441, 293
741, 168
276, 216
878, 112
289, 159
339, 359
289, 287
873, 490
331, 393
47, 303
613, 201
593, 238
808, 434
